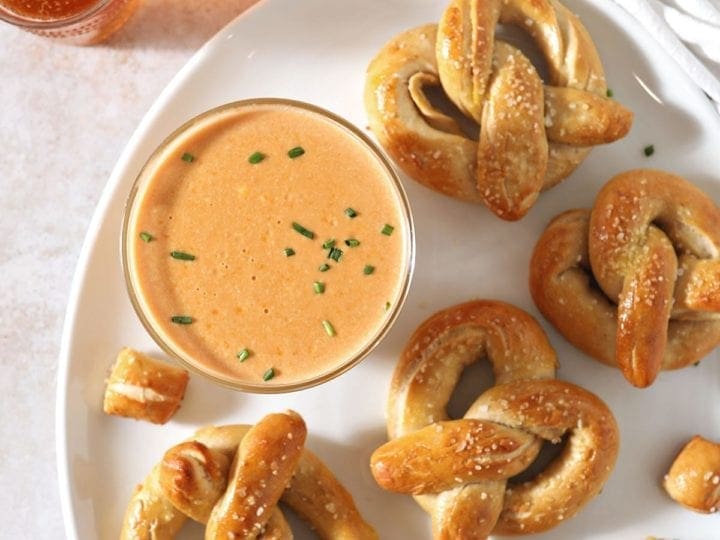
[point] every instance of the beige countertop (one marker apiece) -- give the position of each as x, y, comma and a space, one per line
67, 113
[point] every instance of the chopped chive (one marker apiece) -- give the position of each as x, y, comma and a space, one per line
182, 256
335, 254
696, 364
181, 319
387, 230
387, 306
269, 374
324, 267
302, 230
243, 355
289, 252
352, 242
296, 152
369, 269
327, 244
329, 329
319, 287
146, 237
609, 92
187, 156
256, 157
349, 212
649, 150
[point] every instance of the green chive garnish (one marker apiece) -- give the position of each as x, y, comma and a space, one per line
335, 254
649, 150
289, 252
349, 212
181, 319
352, 242
243, 355
327, 244
387, 306
296, 152
187, 156
368, 269
256, 157
329, 329
146, 237
182, 256
387, 230
302, 230
319, 287
324, 267
269, 374
609, 92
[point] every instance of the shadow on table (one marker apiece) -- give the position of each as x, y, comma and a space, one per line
173, 24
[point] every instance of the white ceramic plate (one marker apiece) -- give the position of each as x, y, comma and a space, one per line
317, 51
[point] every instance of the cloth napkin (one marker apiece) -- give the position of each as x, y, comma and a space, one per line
689, 31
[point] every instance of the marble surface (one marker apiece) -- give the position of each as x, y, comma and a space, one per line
66, 114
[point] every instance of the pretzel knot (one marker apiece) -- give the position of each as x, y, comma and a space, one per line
634, 282
532, 135
232, 477
459, 469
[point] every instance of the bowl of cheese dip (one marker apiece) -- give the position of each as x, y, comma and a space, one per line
267, 244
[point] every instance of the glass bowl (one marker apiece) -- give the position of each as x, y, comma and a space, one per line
166, 334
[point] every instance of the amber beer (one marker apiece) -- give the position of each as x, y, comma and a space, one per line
80, 22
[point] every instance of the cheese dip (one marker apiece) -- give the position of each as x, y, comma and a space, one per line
268, 245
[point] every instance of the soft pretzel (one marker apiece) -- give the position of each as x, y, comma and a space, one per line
532, 135
634, 282
461, 466
143, 388
190, 475
694, 477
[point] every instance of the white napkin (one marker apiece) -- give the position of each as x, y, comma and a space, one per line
689, 31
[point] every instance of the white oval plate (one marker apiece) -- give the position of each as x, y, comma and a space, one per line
317, 51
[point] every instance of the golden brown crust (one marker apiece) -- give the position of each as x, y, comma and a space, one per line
694, 477
449, 454
531, 136
461, 467
264, 464
634, 283
149, 514
550, 410
311, 489
143, 388
193, 477
320, 499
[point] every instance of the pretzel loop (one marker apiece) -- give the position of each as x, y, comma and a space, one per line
531, 135
458, 469
635, 282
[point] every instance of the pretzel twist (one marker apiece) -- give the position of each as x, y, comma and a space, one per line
634, 282
532, 135
195, 479
458, 469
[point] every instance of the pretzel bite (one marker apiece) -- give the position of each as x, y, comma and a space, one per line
694, 477
143, 388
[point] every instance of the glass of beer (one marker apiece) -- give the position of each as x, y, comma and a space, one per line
79, 22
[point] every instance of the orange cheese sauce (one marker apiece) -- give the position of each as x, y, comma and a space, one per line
242, 291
